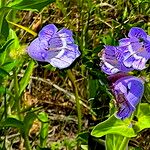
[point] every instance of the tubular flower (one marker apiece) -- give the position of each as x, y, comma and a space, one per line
137, 48
55, 47
128, 91
112, 60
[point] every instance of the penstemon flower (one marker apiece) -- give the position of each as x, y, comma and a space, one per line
55, 47
128, 91
137, 48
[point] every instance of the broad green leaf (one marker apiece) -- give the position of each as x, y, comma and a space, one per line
28, 122
33, 5
143, 116
4, 30
26, 77
113, 126
12, 122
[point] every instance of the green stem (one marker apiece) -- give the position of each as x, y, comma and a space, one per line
72, 79
124, 144
16, 89
27, 142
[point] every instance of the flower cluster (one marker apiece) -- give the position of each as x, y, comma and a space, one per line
55, 47
132, 53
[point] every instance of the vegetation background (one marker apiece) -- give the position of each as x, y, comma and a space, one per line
94, 23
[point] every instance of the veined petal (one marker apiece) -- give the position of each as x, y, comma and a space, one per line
128, 62
36, 50
66, 57
47, 32
137, 32
139, 63
124, 111
67, 35
56, 43
128, 92
135, 91
109, 69
128, 41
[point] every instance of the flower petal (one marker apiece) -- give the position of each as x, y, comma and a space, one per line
56, 43
127, 41
47, 32
128, 62
65, 57
137, 32
109, 69
128, 92
139, 63
67, 35
125, 111
36, 50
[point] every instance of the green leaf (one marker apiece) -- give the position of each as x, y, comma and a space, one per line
28, 122
113, 126
33, 5
12, 122
43, 117
12, 35
26, 78
6, 45
83, 137
4, 30
4, 52
9, 65
113, 141
5, 90
24, 28
143, 116
3, 73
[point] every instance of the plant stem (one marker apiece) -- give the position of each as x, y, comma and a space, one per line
124, 144
26, 142
72, 79
16, 89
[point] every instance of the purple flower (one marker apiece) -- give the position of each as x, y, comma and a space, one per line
112, 60
137, 48
128, 91
55, 47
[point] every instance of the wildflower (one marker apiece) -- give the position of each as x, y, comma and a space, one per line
55, 47
137, 47
128, 91
112, 60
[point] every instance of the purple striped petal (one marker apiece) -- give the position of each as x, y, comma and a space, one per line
128, 92
37, 50
47, 32
137, 32
112, 60
57, 48
67, 35
65, 57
